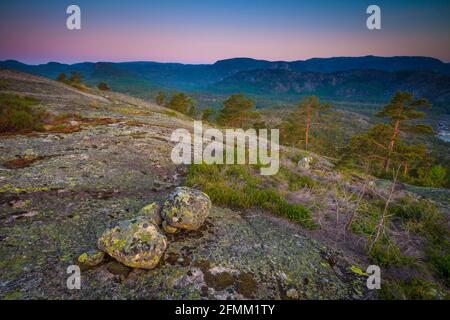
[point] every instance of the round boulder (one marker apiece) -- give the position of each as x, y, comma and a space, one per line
137, 243
186, 208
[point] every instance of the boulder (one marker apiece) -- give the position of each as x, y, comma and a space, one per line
186, 208
137, 243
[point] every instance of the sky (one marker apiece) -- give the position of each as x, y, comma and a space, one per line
204, 31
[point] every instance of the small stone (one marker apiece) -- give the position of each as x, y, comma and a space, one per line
118, 269
168, 228
304, 163
283, 276
18, 204
292, 294
91, 258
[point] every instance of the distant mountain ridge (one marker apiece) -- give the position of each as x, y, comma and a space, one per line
370, 78
357, 85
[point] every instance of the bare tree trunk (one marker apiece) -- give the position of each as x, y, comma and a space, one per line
308, 124
391, 145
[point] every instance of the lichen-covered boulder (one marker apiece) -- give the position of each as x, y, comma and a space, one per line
152, 211
91, 258
137, 243
186, 208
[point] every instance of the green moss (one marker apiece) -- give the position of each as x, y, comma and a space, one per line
15, 295
170, 113
219, 281
246, 285
11, 188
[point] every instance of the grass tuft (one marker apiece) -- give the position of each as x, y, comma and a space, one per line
236, 187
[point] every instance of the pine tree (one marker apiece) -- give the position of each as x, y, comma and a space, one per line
369, 147
399, 112
75, 78
296, 129
103, 86
237, 112
182, 103
160, 98
206, 114
62, 77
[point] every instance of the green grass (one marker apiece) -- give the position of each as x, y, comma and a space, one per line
236, 187
366, 219
170, 113
296, 181
385, 253
440, 261
423, 218
414, 289
17, 114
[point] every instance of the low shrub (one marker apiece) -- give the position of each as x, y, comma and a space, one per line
17, 114
384, 253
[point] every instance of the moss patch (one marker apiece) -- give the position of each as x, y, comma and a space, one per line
246, 285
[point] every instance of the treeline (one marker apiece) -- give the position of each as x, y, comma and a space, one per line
179, 101
390, 144
75, 80
238, 111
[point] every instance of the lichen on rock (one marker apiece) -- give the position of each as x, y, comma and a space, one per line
168, 228
137, 243
152, 211
186, 208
